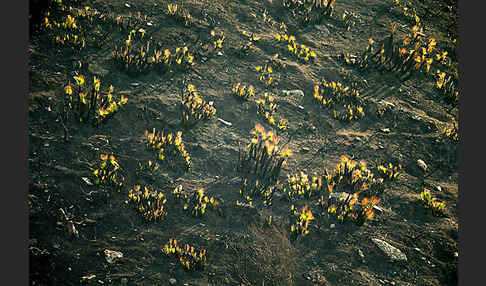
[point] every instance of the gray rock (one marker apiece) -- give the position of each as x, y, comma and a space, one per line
112, 256
172, 281
294, 92
392, 252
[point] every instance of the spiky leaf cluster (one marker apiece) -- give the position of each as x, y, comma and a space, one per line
130, 21
437, 207
88, 104
251, 188
251, 39
267, 75
67, 26
195, 108
299, 185
138, 55
388, 173
415, 53
310, 11
452, 132
187, 255
169, 148
149, 203
300, 51
349, 207
108, 172
267, 107
243, 91
446, 84
262, 157
351, 177
179, 13
302, 220
197, 203
345, 100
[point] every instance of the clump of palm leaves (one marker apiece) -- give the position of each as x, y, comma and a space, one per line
302, 222
266, 107
179, 13
351, 180
68, 26
169, 148
413, 54
437, 207
452, 132
87, 103
197, 203
149, 203
140, 55
108, 172
194, 107
251, 188
243, 91
263, 157
345, 100
310, 11
299, 185
188, 256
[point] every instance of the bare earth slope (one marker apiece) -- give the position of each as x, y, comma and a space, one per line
243, 248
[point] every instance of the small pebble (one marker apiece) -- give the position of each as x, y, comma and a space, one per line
422, 165
305, 149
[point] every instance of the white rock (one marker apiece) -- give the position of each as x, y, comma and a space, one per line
112, 256
227, 123
422, 165
172, 281
385, 130
392, 252
378, 209
87, 181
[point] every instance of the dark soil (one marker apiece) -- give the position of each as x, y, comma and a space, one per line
241, 248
